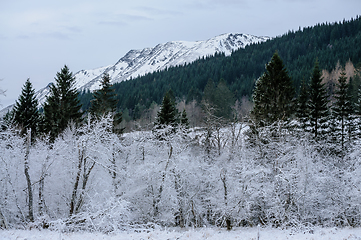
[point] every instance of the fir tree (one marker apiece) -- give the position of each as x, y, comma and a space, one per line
168, 112
184, 119
342, 110
105, 102
62, 105
302, 112
26, 113
273, 94
357, 103
104, 99
317, 105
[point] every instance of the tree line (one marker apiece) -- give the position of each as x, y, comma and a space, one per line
329, 117
329, 42
61, 108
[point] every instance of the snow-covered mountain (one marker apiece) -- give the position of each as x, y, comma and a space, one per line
140, 62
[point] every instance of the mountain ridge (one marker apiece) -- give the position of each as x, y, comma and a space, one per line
138, 62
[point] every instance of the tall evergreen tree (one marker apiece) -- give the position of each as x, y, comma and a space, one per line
104, 99
62, 105
357, 101
184, 119
319, 112
167, 114
342, 109
105, 102
26, 113
302, 112
273, 94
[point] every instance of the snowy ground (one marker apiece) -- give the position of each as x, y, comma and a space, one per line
194, 234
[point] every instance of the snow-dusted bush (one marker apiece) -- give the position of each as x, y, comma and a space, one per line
92, 179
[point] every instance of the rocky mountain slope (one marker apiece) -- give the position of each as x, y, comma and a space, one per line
140, 62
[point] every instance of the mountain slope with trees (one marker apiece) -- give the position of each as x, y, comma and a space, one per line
331, 43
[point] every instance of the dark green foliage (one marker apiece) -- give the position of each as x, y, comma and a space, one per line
167, 115
62, 105
85, 98
357, 92
302, 112
342, 110
329, 42
26, 113
104, 99
224, 101
317, 105
184, 119
104, 102
220, 99
274, 93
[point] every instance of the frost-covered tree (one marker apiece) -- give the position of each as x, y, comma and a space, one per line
7, 121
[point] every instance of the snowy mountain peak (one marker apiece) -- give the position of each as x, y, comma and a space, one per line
140, 62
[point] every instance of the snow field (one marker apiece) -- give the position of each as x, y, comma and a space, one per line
193, 234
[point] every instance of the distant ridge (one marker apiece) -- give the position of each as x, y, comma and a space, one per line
140, 62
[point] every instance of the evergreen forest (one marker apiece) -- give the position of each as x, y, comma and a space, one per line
331, 43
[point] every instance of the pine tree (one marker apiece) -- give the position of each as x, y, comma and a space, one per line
26, 113
105, 102
317, 105
184, 119
342, 110
168, 112
273, 94
62, 105
302, 112
104, 99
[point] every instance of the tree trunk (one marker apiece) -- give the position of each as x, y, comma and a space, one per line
27, 176
85, 179
3, 222
157, 198
224, 181
114, 173
41, 196
76, 184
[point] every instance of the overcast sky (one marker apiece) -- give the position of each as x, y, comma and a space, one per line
38, 37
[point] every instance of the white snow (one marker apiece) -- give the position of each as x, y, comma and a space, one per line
140, 62
193, 234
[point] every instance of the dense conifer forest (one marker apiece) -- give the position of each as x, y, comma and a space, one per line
331, 43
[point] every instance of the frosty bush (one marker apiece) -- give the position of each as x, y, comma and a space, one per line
91, 179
